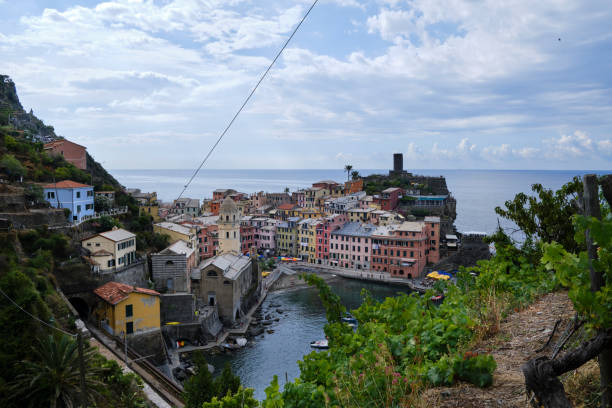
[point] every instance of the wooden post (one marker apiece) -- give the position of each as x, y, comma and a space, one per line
82, 371
592, 209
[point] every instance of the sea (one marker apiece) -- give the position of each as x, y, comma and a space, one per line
477, 192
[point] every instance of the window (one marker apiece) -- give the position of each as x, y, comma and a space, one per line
78, 208
78, 195
129, 310
129, 327
50, 194
226, 234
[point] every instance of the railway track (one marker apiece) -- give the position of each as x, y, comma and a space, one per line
165, 387
172, 392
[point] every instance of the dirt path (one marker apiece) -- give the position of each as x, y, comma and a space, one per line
521, 334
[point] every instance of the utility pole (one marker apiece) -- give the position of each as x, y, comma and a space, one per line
82, 370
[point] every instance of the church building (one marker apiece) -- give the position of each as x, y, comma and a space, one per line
226, 279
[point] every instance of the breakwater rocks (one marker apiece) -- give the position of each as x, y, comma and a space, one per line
264, 317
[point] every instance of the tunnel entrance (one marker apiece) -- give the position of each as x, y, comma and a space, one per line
81, 307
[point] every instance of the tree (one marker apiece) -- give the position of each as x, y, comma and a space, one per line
101, 203
548, 215
12, 166
52, 377
227, 383
286, 189
200, 387
348, 169
355, 175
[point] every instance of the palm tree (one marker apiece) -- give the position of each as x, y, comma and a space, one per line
354, 175
52, 377
286, 189
348, 169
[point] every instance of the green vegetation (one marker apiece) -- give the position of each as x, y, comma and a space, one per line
375, 184
52, 377
202, 388
547, 216
37, 368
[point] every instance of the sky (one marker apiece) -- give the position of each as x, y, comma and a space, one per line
451, 84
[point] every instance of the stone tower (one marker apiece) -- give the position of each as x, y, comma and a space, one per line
229, 227
398, 163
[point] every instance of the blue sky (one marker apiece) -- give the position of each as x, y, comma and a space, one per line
451, 84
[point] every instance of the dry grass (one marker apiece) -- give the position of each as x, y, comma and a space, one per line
582, 385
518, 337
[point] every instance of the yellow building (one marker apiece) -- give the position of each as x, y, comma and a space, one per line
287, 237
309, 213
177, 232
127, 309
363, 215
150, 209
307, 239
111, 249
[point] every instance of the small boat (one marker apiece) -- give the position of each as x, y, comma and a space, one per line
348, 319
319, 344
229, 346
437, 299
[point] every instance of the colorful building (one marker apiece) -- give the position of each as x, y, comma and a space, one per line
351, 246
403, 250
76, 197
126, 309
307, 239
389, 198
324, 229
287, 237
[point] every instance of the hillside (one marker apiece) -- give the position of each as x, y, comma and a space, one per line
22, 136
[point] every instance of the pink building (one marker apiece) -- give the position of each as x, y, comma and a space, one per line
405, 249
263, 231
324, 230
207, 234
351, 246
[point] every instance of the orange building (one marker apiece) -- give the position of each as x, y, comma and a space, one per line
72, 152
353, 186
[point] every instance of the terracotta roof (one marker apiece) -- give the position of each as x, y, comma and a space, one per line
59, 142
115, 292
66, 184
286, 206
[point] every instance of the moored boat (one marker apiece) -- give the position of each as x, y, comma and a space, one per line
319, 344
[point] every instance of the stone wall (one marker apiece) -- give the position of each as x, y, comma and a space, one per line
135, 274
173, 267
177, 307
35, 218
149, 344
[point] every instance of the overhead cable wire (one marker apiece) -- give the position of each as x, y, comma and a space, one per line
34, 317
247, 99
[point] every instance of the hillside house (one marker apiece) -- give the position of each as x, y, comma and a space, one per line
111, 250
127, 309
77, 197
72, 152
